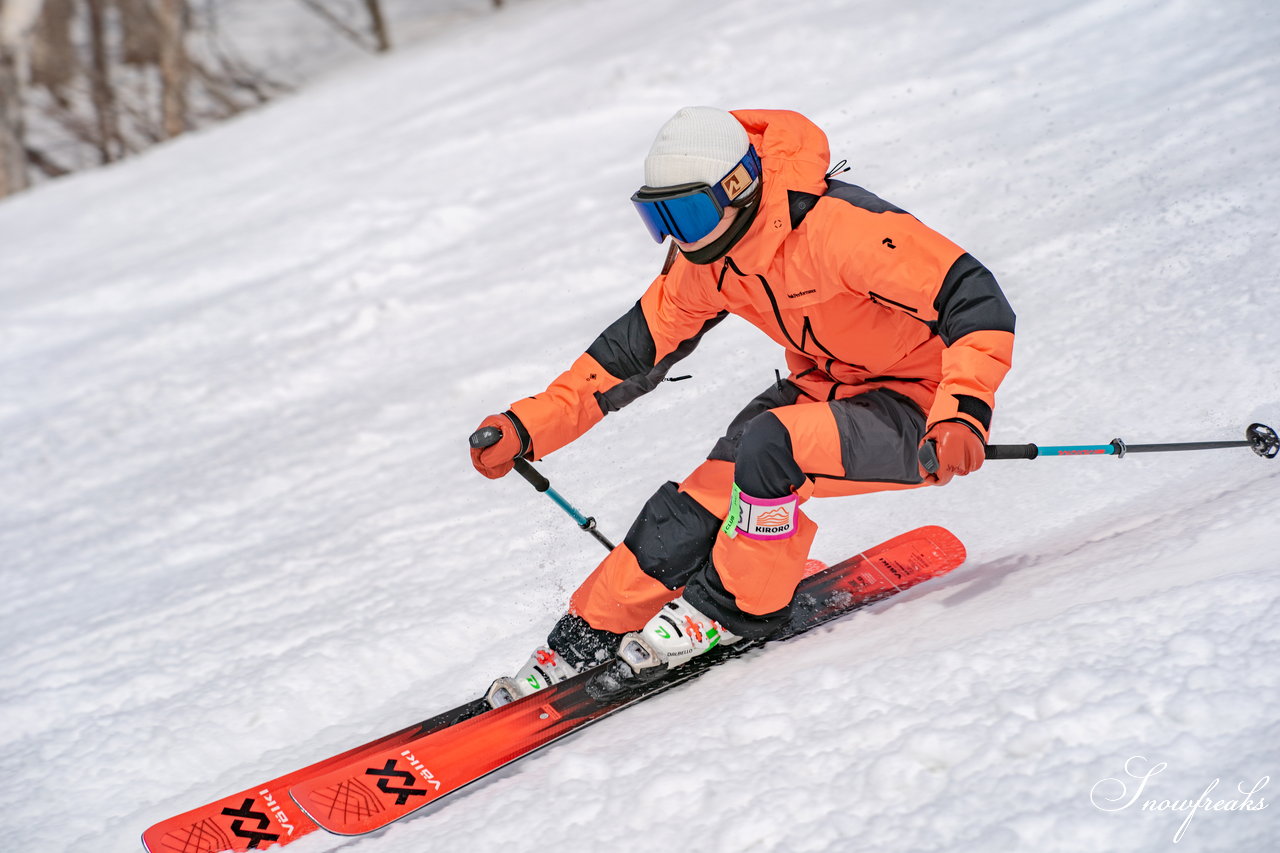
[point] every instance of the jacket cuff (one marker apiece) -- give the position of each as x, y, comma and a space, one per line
526, 442
971, 411
971, 427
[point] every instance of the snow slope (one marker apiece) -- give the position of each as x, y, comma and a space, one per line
240, 531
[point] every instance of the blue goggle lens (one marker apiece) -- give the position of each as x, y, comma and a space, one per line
688, 217
692, 211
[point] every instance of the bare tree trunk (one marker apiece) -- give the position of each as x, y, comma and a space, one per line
13, 158
140, 32
104, 104
337, 23
53, 54
174, 68
379, 25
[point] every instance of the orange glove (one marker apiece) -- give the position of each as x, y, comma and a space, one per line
498, 459
960, 450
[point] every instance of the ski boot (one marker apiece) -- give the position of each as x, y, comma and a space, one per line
573, 646
679, 633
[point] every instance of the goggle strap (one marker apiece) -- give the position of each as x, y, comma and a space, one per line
750, 164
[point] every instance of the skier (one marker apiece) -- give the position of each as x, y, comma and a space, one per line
894, 337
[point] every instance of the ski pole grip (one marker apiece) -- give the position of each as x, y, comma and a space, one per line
524, 469
929, 453
1011, 451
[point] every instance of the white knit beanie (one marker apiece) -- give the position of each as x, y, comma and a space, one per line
697, 145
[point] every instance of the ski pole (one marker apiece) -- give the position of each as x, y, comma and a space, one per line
1261, 438
489, 436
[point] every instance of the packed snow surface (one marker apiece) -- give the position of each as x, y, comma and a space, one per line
240, 530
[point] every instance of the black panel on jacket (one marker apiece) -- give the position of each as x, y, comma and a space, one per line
625, 348
974, 408
639, 384
971, 301
860, 198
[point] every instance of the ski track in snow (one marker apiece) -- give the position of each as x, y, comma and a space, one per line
241, 532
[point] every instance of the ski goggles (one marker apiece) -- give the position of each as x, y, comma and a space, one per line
689, 212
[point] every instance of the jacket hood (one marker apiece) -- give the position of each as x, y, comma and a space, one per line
795, 155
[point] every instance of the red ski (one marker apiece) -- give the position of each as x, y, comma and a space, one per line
337, 788
377, 786
263, 816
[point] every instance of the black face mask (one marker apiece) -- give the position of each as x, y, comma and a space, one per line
720, 247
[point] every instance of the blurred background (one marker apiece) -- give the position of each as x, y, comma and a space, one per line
89, 82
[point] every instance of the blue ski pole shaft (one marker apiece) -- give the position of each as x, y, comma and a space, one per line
1260, 437
491, 435
1116, 447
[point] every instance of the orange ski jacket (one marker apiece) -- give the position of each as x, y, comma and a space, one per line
860, 293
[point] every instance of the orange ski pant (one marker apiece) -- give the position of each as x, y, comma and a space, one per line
781, 444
